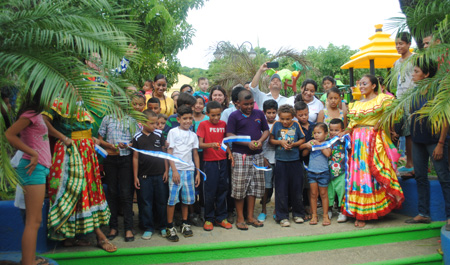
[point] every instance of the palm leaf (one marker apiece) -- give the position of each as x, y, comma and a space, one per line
48, 40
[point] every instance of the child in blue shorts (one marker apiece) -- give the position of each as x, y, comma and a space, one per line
318, 172
33, 168
183, 144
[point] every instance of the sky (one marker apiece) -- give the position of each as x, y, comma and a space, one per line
274, 24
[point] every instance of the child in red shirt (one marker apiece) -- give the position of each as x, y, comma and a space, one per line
211, 134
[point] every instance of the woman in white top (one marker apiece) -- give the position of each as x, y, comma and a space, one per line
308, 91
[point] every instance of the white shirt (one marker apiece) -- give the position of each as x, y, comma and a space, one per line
314, 108
268, 149
260, 97
404, 77
182, 143
226, 113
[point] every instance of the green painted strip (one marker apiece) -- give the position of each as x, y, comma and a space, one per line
428, 259
251, 248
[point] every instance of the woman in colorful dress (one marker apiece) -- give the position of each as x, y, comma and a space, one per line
77, 200
372, 189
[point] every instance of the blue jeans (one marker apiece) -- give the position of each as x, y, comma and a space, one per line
152, 198
421, 154
215, 190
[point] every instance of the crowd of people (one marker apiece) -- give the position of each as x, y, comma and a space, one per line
209, 159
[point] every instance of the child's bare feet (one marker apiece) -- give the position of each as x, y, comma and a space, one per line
314, 219
326, 220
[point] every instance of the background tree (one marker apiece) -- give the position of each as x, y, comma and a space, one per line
165, 33
424, 19
236, 66
49, 40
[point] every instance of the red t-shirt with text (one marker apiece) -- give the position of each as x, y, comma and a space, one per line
212, 133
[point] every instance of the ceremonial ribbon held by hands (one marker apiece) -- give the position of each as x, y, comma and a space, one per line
166, 156
328, 144
236, 138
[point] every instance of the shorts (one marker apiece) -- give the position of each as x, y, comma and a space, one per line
245, 179
268, 177
186, 187
322, 179
37, 177
405, 123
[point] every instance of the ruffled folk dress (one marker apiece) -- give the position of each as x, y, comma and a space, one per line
372, 189
77, 200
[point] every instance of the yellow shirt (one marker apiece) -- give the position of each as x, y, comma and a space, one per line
167, 106
368, 112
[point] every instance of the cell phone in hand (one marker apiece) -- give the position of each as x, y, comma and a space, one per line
273, 65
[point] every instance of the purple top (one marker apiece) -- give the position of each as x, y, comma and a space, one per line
36, 137
253, 126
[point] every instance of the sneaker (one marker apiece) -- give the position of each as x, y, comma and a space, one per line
342, 218
330, 214
163, 233
186, 230
298, 220
147, 235
208, 226
285, 223
224, 224
195, 220
172, 236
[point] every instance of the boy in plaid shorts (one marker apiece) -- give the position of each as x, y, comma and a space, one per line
183, 144
247, 181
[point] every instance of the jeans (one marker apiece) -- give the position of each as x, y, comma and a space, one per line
288, 188
421, 154
119, 178
152, 198
215, 190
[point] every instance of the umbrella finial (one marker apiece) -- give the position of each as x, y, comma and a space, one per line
379, 28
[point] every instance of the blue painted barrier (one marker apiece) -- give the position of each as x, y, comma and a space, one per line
12, 225
410, 206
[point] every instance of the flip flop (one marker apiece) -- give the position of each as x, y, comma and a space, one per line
104, 245
241, 226
421, 221
256, 224
307, 218
314, 220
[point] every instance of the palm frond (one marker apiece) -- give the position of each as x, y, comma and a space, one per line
47, 40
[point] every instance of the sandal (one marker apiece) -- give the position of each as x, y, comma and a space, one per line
71, 242
255, 223
307, 218
326, 221
360, 224
314, 220
241, 226
39, 261
106, 246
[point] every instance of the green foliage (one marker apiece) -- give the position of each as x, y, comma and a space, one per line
165, 33
425, 18
328, 61
49, 40
236, 66
194, 73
